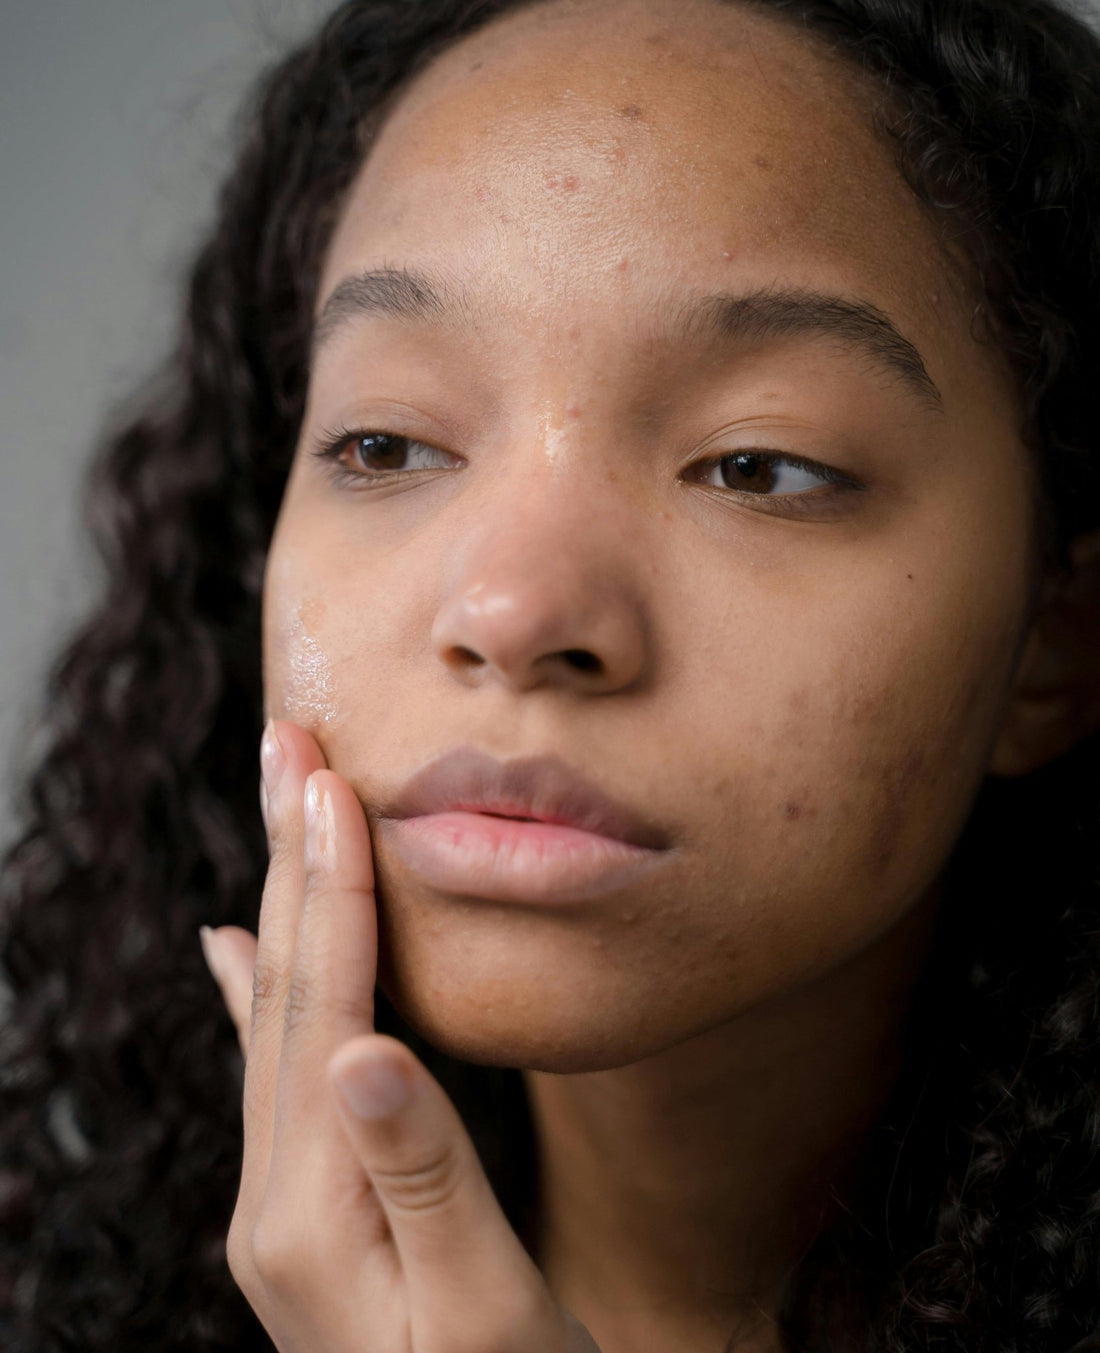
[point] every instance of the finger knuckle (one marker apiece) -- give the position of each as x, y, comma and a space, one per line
299, 997
423, 1186
276, 1254
266, 981
238, 1254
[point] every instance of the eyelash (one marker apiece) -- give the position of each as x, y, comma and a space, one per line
331, 445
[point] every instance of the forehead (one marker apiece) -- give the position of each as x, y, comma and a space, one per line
613, 148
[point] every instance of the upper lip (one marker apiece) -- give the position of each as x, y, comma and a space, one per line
542, 788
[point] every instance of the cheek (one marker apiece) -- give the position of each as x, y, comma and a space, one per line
848, 766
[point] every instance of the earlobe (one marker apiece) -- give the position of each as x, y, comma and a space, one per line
1055, 699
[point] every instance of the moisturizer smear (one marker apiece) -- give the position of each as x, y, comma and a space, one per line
310, 694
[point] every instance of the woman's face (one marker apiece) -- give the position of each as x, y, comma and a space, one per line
611, 274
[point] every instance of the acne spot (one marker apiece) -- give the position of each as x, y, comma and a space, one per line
570, 183
727, 255
572, 411
792, 810
623, 264
761, 162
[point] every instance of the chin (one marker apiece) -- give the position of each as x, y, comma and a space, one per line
485, 1039
495, 996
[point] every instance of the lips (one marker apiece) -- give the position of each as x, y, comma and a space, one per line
534, 789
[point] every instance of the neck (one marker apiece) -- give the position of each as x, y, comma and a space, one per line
677, 1193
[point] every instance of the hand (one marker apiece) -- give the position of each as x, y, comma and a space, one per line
364, 1222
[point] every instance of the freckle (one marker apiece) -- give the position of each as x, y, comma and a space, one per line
631, 111
909, 576
792, 810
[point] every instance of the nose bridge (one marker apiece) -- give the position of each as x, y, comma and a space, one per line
547, 586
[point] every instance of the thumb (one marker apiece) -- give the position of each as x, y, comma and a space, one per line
460, 1258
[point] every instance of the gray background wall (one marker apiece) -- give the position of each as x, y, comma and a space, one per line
114, 132
114, 120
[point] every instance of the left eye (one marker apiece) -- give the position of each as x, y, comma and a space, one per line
382, 452
766, 473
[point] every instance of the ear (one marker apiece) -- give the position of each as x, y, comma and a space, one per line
1055, 698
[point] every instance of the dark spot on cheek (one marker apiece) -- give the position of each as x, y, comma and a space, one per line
632, 112
895, 787
792, 810
761, 162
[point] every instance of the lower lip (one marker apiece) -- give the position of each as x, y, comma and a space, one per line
505, 860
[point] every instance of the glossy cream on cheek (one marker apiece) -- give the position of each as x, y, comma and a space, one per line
309, 689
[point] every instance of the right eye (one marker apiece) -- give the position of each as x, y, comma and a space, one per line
382, 456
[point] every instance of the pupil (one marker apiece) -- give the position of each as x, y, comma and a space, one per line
382, 451
746, 471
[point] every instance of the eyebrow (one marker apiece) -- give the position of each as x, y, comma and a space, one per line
756, 316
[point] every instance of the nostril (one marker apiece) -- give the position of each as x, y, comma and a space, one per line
582, 660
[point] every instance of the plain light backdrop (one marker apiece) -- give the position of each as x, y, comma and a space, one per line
114, 134
115, 130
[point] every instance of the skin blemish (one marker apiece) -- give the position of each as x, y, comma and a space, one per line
727, 255
792, 810
761, 162
570, 183
631, 112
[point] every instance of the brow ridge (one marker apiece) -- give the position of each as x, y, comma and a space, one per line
776, 313
768, 313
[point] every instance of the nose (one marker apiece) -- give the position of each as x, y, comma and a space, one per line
548, 591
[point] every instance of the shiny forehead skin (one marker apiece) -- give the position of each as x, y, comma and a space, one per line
755, 146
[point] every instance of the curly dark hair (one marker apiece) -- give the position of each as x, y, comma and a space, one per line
975, 1223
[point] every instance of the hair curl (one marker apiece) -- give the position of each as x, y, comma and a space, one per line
975, 1224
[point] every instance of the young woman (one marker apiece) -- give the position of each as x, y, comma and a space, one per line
661, 435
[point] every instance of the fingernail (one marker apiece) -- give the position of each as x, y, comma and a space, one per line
373, 1089
210, 952
320, 828
272, 764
